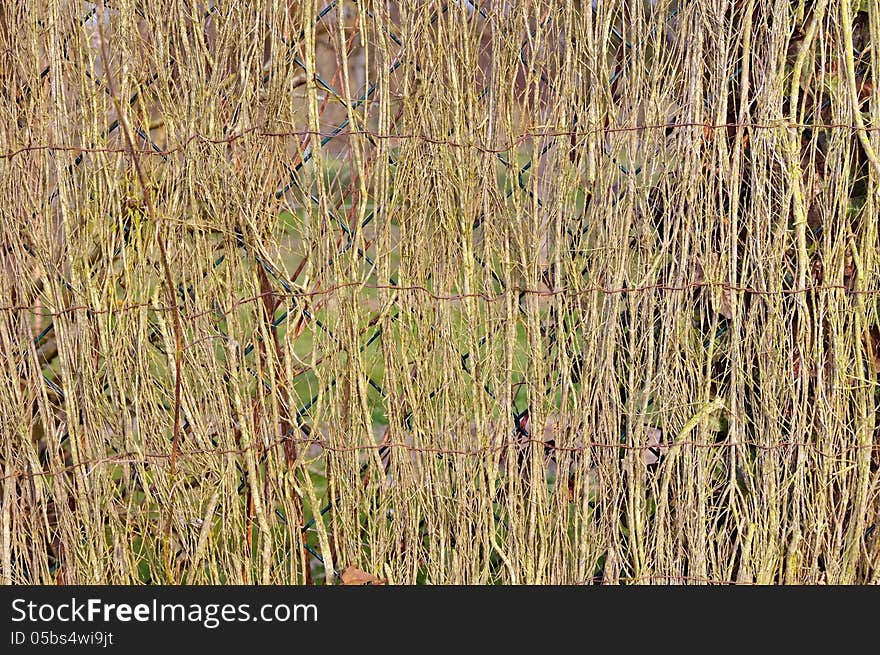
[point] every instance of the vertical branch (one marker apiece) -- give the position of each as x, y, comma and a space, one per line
169, 284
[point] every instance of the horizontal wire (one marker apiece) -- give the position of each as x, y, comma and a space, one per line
512, 143
488, 297
513, 444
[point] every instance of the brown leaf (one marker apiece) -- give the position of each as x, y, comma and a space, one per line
354, 576
384, 456
872, 345
654, 451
